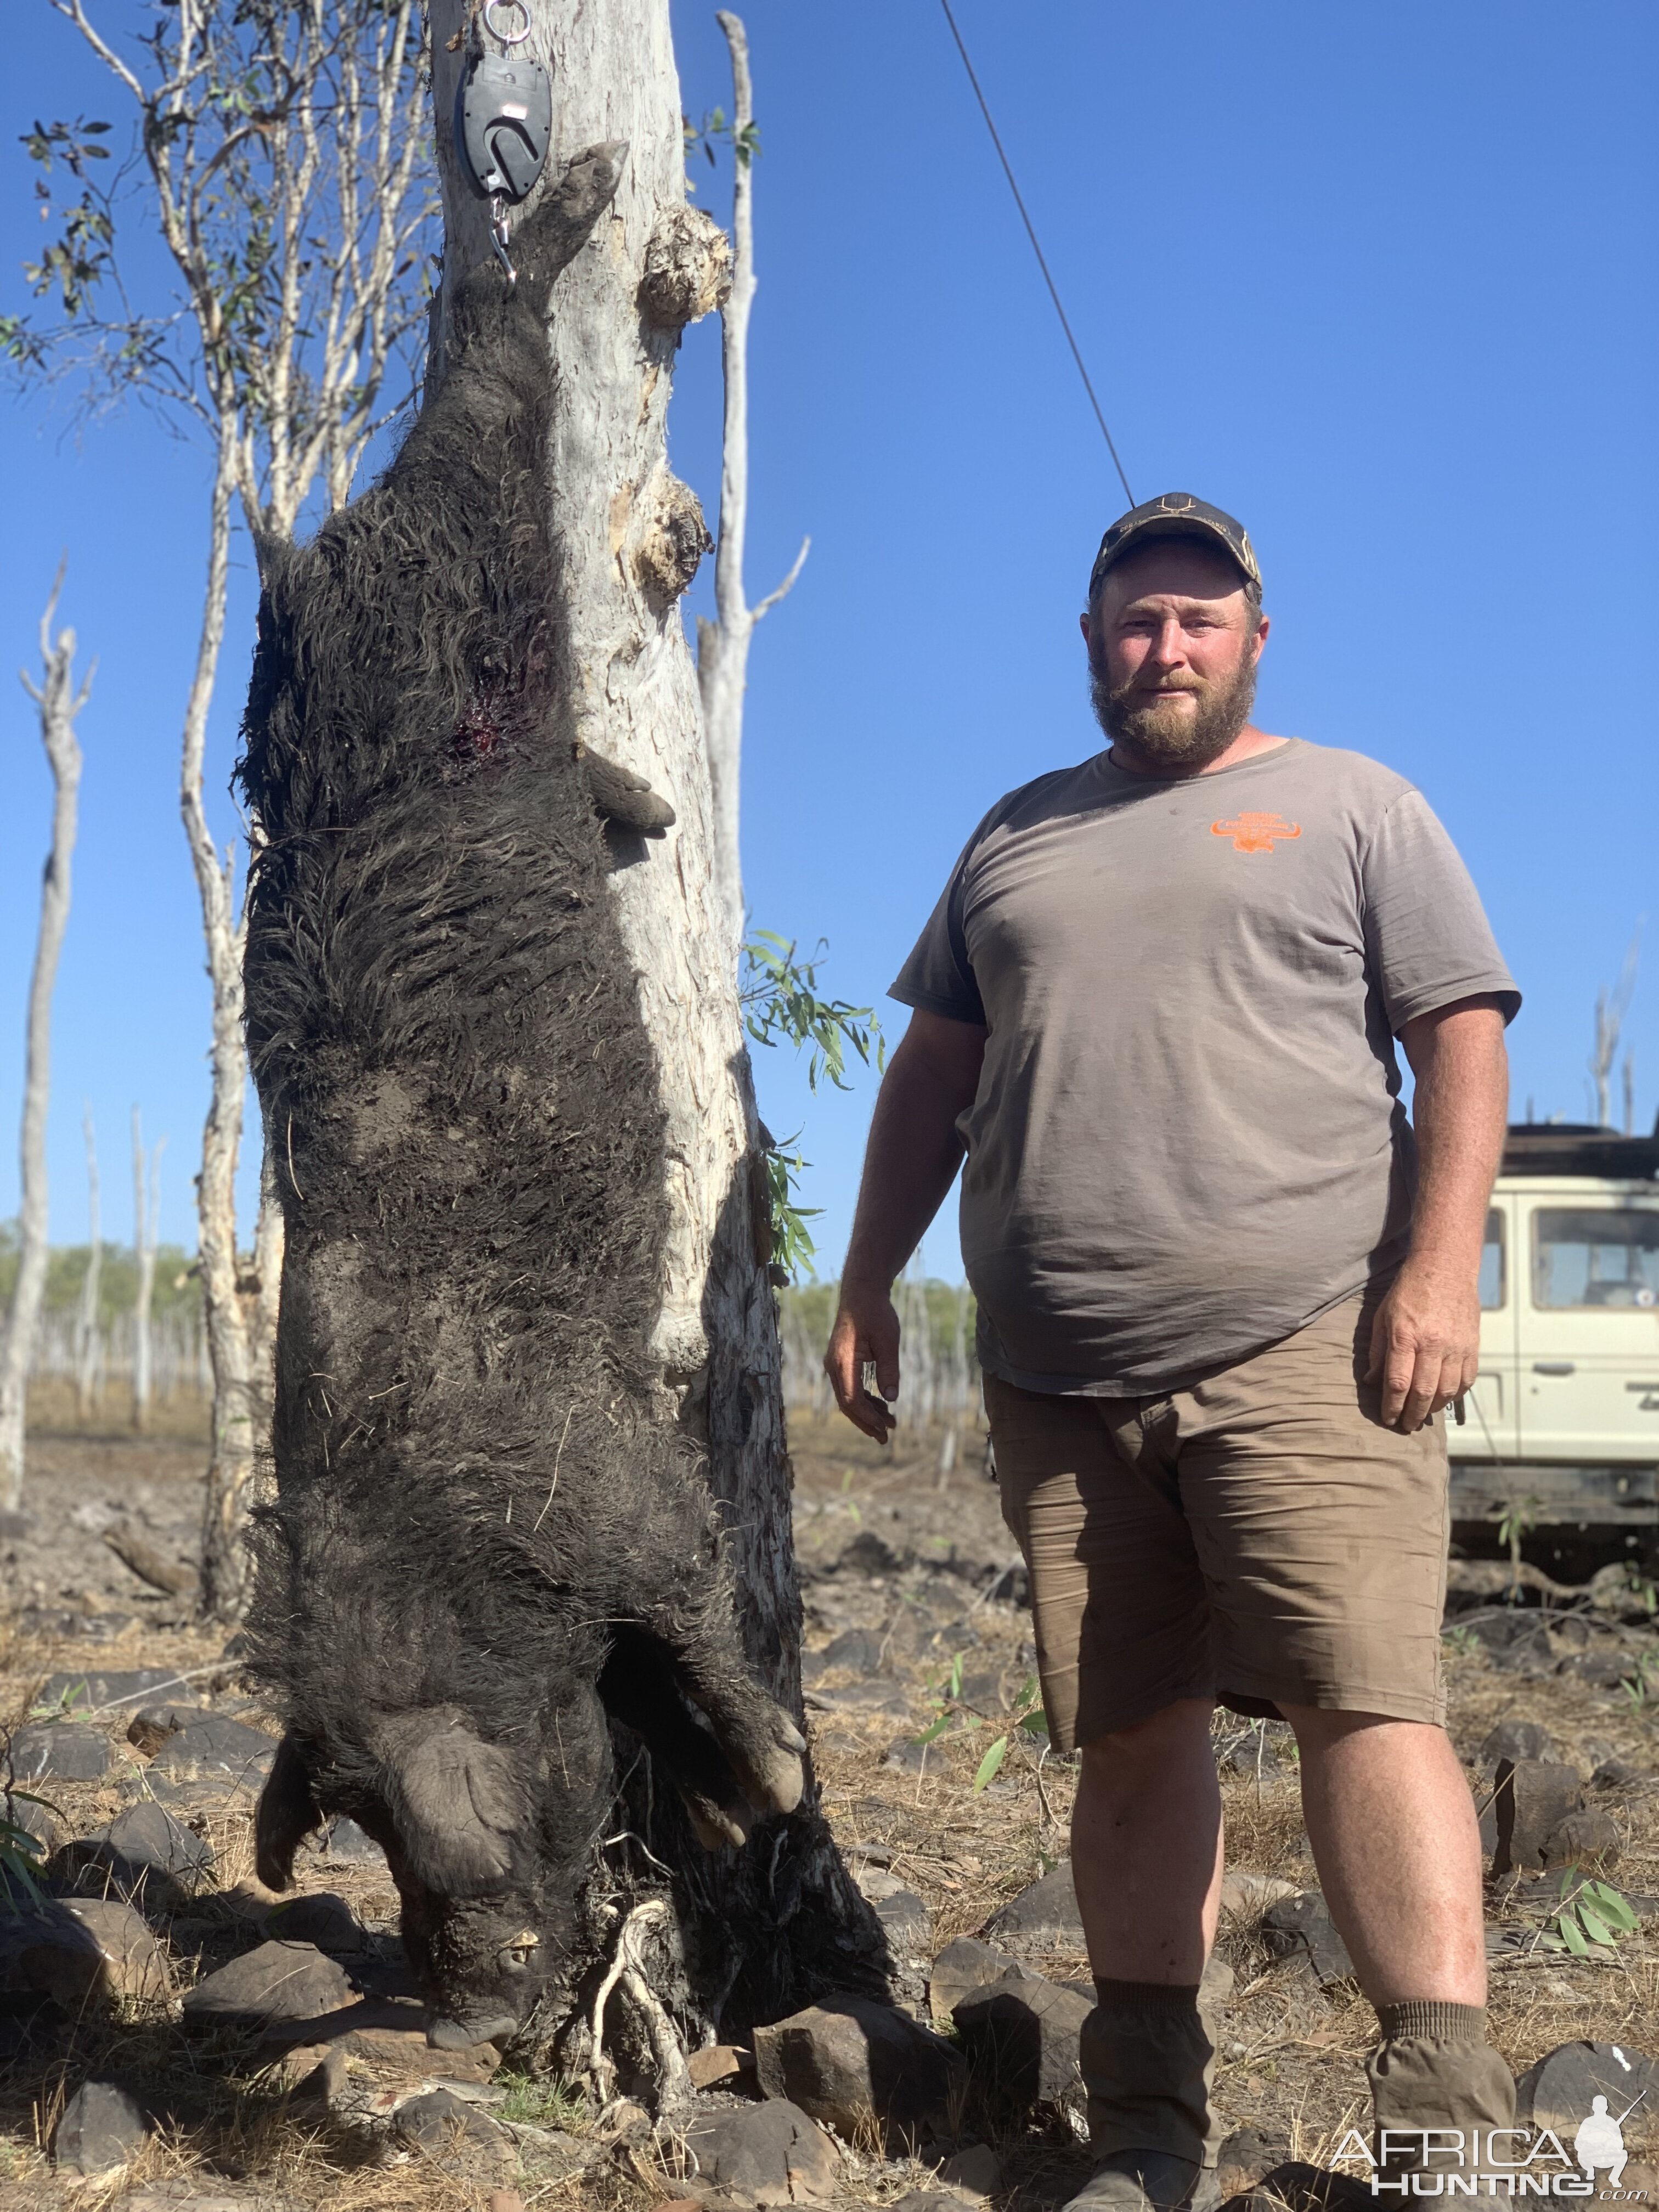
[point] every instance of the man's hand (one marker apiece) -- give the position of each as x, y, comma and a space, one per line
1426, 1344
913, 1153
866, 1329
1425, 1340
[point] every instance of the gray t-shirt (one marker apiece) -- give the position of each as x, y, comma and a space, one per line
1187, 1140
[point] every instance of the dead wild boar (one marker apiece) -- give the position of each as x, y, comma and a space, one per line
487, 1542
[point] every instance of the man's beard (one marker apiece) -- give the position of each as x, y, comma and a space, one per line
1149, 724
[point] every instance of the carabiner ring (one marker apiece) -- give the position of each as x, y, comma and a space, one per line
506, 38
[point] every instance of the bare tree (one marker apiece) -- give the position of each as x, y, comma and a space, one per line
723, 644
146, 1218
59, 703
279, 158
1610, 1008
627, 538
87, 1335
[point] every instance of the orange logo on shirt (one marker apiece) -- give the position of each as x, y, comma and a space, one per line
1254, 833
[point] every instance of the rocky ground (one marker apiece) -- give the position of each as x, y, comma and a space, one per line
170, 2033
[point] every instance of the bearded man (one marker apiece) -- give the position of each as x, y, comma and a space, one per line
1224, 1292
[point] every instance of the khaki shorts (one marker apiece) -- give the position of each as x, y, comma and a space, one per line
1260, 1538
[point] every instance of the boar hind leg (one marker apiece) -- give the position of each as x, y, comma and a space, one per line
287, 1811
762, 1743
641, 1687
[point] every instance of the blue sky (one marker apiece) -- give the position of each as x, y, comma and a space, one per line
1380, 282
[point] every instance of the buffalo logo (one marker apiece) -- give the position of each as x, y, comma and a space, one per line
1254, 833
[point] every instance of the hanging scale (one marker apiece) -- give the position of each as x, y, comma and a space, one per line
504, 119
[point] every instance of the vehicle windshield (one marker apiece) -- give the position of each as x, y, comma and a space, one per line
1596, 1257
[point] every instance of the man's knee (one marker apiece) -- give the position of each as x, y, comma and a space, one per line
1170, 1731
1316, 1728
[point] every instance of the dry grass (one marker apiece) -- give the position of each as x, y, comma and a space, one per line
1290, 2063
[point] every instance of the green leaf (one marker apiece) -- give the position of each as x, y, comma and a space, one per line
991, 1764
1612, 1906
953, 1680
1034, 1724
933, 1734
1573, 1935
1593, 1926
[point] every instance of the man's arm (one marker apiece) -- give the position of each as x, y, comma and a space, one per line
1425, 1340
909, 1164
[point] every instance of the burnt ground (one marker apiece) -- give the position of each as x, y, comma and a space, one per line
906, 1573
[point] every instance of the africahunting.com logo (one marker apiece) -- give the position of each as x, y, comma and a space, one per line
1499, 2162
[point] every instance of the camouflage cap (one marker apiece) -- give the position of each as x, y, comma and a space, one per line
1176, 514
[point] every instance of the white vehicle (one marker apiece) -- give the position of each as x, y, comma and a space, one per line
1562, 1425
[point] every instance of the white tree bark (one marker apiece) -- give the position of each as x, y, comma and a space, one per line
231, 1451
59, 703
87, 1331
622, 525
723, 644
146, 1210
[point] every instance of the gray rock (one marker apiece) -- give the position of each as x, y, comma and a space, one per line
1216, 1984
1598, 1670
59, 1751
772, 2154
276, 1982
102, 2127
1618, 1774
977, 2171
1021, 2038
84, 1689
963, 1967
983, 1692
216, 1750
1513, 1739
145, 1849
1245, 2155
907, 1756
1531, 1799
859, 1649
440, 2119
1043, 1917
1587, 1839
848, 2057
341, 1839
321, 1918
1301, 1927
868, 1554
87, 1951
153, 1723
907, 1923
1556, 2093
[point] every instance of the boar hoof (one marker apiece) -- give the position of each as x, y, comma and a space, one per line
716, 1827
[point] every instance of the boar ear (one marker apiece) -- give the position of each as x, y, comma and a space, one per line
287, 1811
454, 1799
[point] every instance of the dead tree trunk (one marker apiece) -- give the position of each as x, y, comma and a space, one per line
723, 644
146, 1206
86, 1334
59, 703
779, 1920
231, 1452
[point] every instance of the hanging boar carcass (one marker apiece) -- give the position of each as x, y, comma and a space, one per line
488, 1539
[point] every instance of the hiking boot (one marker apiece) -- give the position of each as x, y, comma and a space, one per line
1144, 2181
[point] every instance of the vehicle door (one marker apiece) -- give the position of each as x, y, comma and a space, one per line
1491, 1430
1590, 1324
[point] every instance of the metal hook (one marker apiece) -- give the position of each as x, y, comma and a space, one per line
506, 38
500, 236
